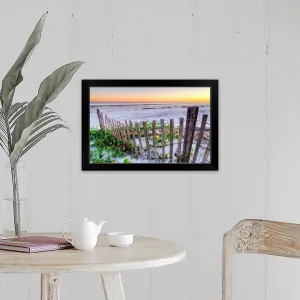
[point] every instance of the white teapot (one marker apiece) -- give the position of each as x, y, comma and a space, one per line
84, 234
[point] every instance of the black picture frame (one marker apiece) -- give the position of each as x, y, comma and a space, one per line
214, 117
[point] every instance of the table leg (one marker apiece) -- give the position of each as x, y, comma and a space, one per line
50, 286
112, 286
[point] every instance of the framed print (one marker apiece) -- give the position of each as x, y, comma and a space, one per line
150, 124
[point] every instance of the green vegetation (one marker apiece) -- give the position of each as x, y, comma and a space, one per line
127, 161
105, 148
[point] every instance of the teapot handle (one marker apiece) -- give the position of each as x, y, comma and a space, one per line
64, 231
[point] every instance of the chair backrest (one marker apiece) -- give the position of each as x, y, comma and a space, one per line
261, 237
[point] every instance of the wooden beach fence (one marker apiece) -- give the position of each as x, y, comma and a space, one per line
147, 139
162, 129
101, 120
139, 137
171, 140
180, 135
206, 153
133, 137
200, 137
144, 142
191, 120
154, 139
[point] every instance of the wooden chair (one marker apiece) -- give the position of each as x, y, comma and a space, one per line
261, 237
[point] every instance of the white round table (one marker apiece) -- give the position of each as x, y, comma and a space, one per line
108, 261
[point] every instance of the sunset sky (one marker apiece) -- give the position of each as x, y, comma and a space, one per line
170, 95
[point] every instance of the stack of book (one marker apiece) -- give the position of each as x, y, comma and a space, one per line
33, 244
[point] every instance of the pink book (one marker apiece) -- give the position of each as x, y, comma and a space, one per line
31, 244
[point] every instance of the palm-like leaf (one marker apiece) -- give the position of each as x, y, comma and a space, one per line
33, 140
3, 134
2, 123
23, 125
48, 91
15, 107
14, 75
14, 114
40, 130
44, 120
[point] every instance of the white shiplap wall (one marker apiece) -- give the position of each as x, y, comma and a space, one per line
258, 122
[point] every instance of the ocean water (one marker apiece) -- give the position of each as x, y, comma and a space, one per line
145, 112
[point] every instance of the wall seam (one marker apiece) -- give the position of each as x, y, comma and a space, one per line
72, 7
70, 132
266, 133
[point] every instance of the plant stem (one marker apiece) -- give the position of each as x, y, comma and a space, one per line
15, 187
16, 201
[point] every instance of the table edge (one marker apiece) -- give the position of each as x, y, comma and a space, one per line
99, 268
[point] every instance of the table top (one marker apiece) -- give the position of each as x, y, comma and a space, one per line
142, 254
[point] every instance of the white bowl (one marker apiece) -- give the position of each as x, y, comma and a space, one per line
120, 239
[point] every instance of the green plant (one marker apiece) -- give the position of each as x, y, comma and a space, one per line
127, 161
23, 124
106, 143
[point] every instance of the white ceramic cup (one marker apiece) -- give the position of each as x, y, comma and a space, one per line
120, 239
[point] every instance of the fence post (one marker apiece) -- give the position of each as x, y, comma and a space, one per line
133, 136
162, 128
105, 120
124, 133
128, 135
154, 138
139, 136
186, 131
200, 136
102, 120
171, 139
146, 139
99, 117
192, 115
206, 153
180, 134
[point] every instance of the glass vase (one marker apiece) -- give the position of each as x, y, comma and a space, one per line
15, 211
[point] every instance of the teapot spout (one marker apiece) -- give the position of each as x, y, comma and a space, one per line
99, 227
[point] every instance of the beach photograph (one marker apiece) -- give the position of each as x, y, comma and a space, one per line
149, 125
